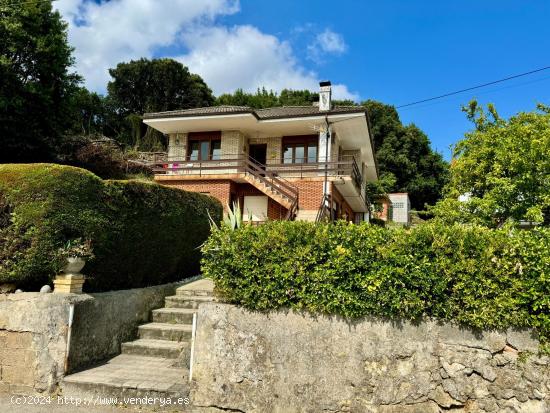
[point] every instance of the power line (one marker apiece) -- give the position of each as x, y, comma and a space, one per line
474, 87
484, 92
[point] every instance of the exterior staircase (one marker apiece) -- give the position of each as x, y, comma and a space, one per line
273, 186
154, 365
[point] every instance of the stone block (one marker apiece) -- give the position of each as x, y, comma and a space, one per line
15, 339
17, 375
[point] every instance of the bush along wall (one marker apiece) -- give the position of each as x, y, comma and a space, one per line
141, 233
476, 276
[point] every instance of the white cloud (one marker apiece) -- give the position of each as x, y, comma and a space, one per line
331, 42
227, 58
111, 32
244, 57
326, 42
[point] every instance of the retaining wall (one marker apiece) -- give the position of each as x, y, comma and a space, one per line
33, 332
289, 362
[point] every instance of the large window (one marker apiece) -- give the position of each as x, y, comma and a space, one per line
300, 149
204, 146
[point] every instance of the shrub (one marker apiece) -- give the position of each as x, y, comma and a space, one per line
141, 233
476, 276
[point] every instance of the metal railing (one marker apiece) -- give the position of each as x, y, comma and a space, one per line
347, 166
229, 164
271, 175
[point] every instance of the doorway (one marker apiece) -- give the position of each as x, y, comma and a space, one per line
258, 153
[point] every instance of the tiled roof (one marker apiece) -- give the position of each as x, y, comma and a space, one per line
280, 112
209, 110
298, 111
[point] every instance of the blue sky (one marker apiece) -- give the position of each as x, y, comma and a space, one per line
393, 51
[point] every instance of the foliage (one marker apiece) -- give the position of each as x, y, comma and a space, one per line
77, 248
90, 114
405, 159
501, 169
476, 276
234, 218
102, 156
35, 82
141, 233
141, 86
266, 99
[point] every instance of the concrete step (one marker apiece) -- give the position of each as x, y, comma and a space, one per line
165, 331
187, 293
129, 376
173, 315
202, 287
181, 301
155, 348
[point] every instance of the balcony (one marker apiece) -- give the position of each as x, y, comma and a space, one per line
237, 164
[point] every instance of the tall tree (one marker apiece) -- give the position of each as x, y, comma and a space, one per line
263, 98
150, 86
406, 161
35, 80
501, 170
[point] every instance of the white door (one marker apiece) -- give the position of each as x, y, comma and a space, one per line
255, 207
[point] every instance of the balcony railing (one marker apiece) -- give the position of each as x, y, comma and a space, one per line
235, 164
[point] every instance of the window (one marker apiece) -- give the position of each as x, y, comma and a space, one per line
204, 146
300, 149
398, 205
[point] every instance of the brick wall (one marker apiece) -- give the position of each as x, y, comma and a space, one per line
309, 200
218, 188
177, 146
275, 211
274, 148
345, 209
232, 143
310, 194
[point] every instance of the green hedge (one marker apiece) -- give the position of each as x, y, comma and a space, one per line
141, 233
476, 276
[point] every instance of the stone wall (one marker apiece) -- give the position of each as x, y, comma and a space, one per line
106, 320
33, 332
287, 362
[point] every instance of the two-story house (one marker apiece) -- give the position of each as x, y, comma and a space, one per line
293, 162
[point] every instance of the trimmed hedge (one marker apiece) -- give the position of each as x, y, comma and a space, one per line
476, 276
142, 233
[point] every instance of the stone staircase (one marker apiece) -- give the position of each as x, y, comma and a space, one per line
154, 365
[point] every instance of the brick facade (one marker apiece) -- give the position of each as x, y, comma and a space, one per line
344, 210
218, 188
177, 146
310, 194
274, 148
310, 185
233, 143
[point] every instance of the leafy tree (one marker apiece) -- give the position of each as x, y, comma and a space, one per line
89, 113
501, 170
263, 98
150, 86
35, 82
405, 159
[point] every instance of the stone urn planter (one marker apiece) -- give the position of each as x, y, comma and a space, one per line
74, 265
70, 280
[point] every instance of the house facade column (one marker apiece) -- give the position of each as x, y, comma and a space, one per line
325, 153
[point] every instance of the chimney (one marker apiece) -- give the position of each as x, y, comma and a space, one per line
325, 96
